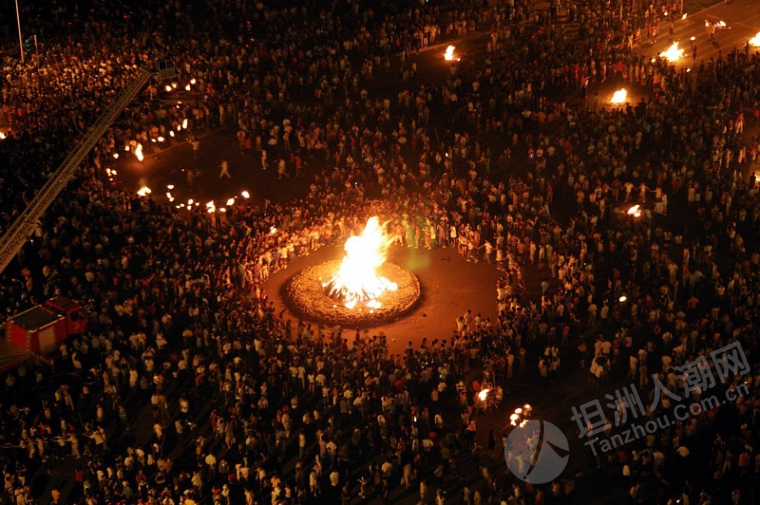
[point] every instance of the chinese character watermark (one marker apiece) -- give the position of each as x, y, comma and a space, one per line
627, 407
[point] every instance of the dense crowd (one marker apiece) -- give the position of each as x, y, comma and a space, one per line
525, 170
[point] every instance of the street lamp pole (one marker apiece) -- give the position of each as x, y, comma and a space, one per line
20, 39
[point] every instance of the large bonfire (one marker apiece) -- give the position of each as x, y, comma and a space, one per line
357, 280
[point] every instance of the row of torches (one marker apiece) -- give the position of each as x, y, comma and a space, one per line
210, 206
519, 417
137, 148
673, 54
171, 87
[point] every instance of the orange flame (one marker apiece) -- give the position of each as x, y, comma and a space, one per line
620, 96
673, 53
357, 280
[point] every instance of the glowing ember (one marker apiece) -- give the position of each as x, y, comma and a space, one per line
673, 53
139, 152
144, 191
272, 230
168, 88
116, 156
187, 88
184, 124
449, 54
483, 395
230, 201
521, 415
635, 211
620, 96
246, 194
755, 41
356, 280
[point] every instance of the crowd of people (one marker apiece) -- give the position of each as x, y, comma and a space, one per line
190, 387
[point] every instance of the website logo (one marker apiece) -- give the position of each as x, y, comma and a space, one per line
536, 452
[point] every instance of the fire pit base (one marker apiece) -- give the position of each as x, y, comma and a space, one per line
306, 297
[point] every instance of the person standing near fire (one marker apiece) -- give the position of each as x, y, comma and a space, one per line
225, 169
282, 169
196, 146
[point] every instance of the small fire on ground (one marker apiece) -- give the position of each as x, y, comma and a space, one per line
619, 96
357, 280
673, 53
755, 41
521, 416
449, 54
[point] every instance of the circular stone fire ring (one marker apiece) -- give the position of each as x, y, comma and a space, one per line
306, 297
